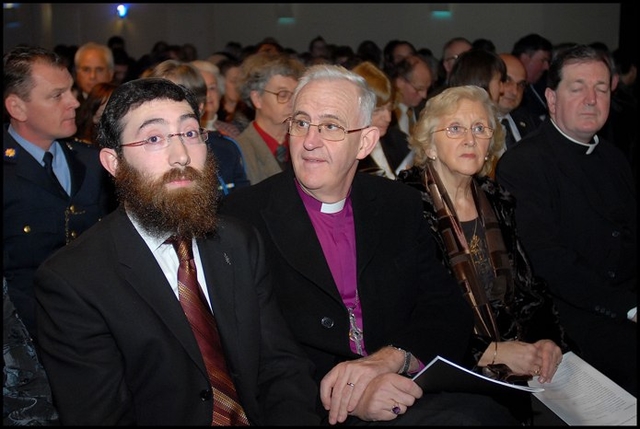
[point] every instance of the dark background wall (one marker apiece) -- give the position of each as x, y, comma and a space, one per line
210, 26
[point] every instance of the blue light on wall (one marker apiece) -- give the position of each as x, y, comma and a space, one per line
439, 14
122, 9
284, 11
441, 11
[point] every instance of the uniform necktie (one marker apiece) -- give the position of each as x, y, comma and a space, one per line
48, 166
509, 140
226, 409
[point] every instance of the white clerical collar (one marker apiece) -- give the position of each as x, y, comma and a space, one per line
590, 146
333, 207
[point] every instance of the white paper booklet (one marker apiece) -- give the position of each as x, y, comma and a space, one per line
582, 396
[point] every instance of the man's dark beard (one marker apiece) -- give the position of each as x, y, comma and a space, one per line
186, 212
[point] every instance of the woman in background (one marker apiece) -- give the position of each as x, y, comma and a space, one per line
393, 146
89, 113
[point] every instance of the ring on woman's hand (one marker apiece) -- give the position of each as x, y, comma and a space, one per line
351, 385
396, 409
537, 371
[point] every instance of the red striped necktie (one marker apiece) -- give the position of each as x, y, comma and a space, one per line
227, 411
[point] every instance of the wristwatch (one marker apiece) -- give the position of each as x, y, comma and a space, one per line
407, 360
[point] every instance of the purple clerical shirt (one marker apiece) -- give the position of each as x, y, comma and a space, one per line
336, 231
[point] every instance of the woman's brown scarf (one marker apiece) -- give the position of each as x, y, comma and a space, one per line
452, 237
460, 256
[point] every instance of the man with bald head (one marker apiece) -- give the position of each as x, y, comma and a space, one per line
93, 64
452, 50
517, 122
412, 79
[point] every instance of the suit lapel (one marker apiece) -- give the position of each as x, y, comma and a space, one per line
293, 234
366, 218
27, 167
218, 271
140, 269
77, 169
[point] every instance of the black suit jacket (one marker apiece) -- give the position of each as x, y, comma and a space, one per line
525, 123
576, 216
395, 146
533, 104
118, 348
39, 218
408, 299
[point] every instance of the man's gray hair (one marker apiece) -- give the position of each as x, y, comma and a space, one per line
366, 99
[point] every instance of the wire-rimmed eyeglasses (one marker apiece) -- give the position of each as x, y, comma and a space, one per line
328, 130
158, 142
458, 131
281, 96
417, 89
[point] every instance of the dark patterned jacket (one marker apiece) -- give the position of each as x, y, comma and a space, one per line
527, 313
26, 395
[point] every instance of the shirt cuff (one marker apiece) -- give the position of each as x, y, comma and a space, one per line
632, 313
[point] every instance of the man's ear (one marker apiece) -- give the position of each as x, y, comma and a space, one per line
550, 95
614, 81
16, 107
109, 160
368, 140
256, 100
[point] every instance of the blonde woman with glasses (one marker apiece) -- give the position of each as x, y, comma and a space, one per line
517, 335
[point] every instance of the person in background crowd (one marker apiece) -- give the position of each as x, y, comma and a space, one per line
53, 187
621, 127
232, 108
534, 51
318, 48
412, 79
392, 147
215, 88
67, 53
123, 66
368, 50
481, 68
93, 63
576, 213
266, 84
517, 333
363, 292
485, 44
517, 123
395, 51
450, 53
118, 338
90, 110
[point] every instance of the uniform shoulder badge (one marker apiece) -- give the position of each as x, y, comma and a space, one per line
10, 153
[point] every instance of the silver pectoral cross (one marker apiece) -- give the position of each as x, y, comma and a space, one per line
355, 333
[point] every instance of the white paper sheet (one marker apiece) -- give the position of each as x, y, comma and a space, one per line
582, 396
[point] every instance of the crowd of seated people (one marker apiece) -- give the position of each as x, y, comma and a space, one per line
454, 157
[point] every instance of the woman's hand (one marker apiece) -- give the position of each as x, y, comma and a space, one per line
539, 359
